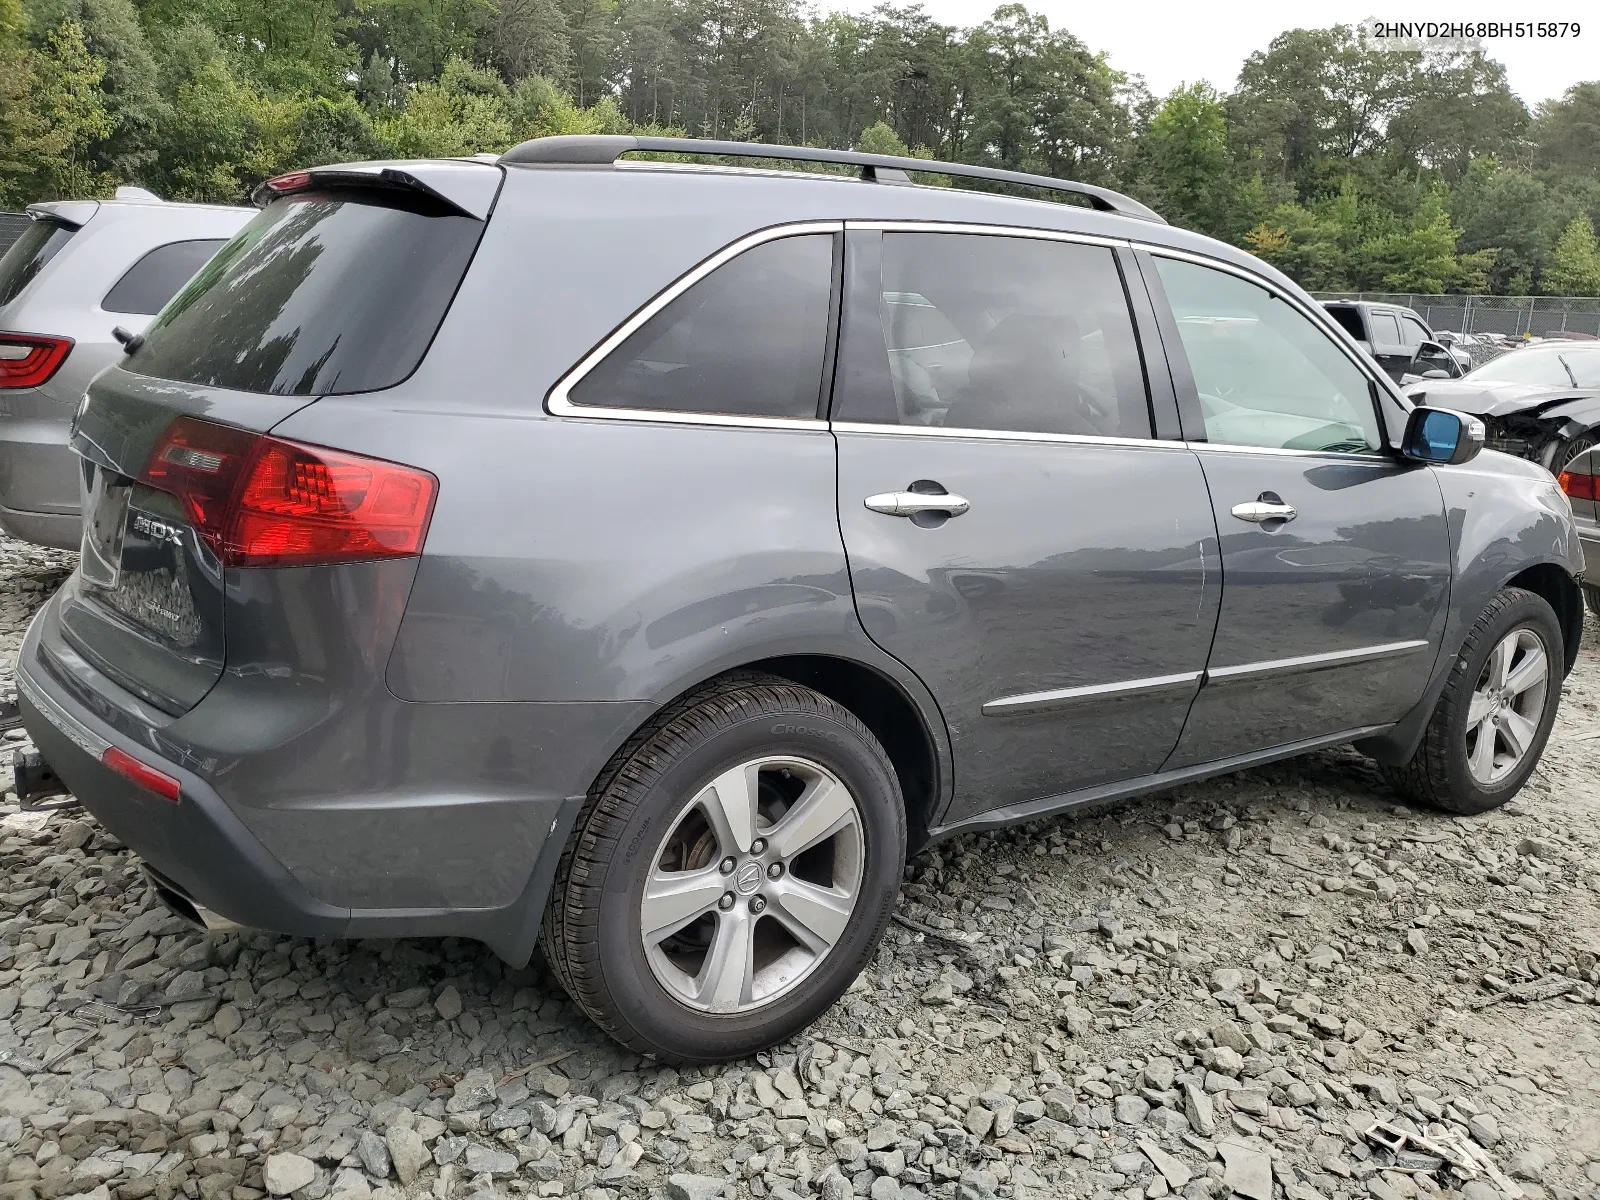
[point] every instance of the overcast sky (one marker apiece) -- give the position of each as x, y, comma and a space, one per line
1172, 42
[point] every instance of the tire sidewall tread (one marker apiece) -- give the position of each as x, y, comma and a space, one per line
1437, 774
590, 932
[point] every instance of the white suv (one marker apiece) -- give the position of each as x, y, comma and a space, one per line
81, 269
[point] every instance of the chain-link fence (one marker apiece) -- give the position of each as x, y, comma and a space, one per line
11, 227
1510, 316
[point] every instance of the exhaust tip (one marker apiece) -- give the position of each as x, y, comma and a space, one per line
182, 906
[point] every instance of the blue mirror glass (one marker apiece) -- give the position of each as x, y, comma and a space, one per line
1437, 437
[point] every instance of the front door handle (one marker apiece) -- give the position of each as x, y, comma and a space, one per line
1257, 511
909, 504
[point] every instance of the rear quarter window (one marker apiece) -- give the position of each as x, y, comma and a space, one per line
39, 243
323, 293
147, 285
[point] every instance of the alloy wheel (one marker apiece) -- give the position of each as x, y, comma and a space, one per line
1507, 703
753, 884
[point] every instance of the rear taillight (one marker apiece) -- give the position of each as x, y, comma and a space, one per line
1578, 484
28, 359
262, 501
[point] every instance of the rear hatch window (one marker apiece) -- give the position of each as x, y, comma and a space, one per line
323, 293
41, 241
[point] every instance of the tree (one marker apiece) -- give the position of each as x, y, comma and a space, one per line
54, 116
1566, 135
1574, 265
1188, 169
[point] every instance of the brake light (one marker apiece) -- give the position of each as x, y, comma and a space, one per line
1578, 484
28, 359
294, 181
147, 777
262, 501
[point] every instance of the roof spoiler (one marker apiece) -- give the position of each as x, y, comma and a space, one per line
74, 214
605, 149
461, 184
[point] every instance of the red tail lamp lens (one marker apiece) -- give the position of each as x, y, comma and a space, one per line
292, 182
265, 502
27, 360
1577, 484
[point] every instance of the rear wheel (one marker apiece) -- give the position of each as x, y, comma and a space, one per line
731, 872
1492, 720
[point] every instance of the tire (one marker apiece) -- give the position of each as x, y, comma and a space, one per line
1447, 770
656, 816
1591, 598
1560, 453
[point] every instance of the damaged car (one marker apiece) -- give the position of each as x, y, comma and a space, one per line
1541, 403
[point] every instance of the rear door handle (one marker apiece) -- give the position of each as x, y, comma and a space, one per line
1257, 511
909, 504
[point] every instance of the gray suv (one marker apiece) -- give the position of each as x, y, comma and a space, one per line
642, 558
81, 270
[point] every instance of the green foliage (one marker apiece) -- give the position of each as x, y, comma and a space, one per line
1574, 268
53, 114
1348, 168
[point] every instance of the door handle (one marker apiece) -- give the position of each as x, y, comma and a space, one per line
909, 504
1257, 511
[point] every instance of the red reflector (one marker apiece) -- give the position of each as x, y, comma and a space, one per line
147, 777
27, 359
265, 502
1578, 485
291, 182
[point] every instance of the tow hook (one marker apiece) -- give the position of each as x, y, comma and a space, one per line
36, 782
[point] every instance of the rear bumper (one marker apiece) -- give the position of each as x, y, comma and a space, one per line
197, 843
38, 482
284, 824
64, 532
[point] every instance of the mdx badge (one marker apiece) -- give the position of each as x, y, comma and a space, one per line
156, 529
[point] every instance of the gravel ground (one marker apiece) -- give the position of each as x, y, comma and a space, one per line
1206, 992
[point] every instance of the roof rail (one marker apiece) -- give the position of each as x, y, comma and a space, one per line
605, 149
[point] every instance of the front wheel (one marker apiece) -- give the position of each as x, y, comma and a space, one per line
731, 873
1492, 720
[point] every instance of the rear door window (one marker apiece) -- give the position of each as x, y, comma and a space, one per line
1010, 334
1385, 330
146, 286
323, 293
748, 340
41, 241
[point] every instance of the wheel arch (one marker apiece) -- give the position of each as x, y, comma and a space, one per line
1554, 583
1558, 588
887, 699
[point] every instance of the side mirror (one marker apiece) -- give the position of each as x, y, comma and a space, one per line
1437, 373
1442, 436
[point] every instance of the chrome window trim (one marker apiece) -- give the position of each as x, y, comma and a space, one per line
1314, 662
1006, 435
974, 227
1372, 456
558, 401
1033, 702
